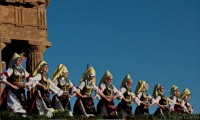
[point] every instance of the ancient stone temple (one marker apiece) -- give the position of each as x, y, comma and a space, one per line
23, 29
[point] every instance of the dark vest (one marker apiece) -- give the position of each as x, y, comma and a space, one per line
144, 98
163, 100
178, 100
109, 91
188, 106
87, 89
127, 94
44, 81
65, 86
17, 78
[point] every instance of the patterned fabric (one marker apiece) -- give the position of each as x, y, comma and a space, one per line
109, 106
39, 95
88, 88
162, 111
142, 109
20, 77
178, 109
84, 103
61, 103
20, 93
126, 107
109, 91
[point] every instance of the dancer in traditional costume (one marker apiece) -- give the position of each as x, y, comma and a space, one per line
185, 97
161, 100
40, 102
177, 106
85, 106
145, 98
14, 98
106, 107
125, 106
61, 80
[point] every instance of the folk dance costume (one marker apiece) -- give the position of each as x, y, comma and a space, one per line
40, 102
61, 80
142, 94
125, 106
185, 97
108, 92
162, 101
176, 105
14, 98
85, 106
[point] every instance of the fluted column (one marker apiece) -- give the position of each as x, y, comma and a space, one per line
35, 54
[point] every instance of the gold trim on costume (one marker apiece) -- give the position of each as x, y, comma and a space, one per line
19, 84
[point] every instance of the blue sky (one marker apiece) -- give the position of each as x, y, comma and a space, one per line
157, 41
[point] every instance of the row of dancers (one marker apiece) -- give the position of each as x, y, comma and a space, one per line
39, 84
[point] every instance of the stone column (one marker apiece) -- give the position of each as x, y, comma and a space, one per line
2, 46
34, 56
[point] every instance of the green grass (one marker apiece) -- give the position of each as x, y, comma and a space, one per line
5, 115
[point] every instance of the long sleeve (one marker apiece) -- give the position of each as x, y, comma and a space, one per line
6, 74
158, 98
123, 90
172, 102
102, 87
137, 101
55, 89
26, 74
55, 82
184, 107
73, 88
33, 81
81, 85
139, 95
174, 99
9, 72
97, 92
116, 91
2, 78
152, 100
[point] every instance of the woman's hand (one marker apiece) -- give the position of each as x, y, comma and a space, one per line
116, 97
128, 101
108, 99
85, 96
45, 88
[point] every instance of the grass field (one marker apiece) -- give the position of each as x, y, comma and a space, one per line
5, 115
